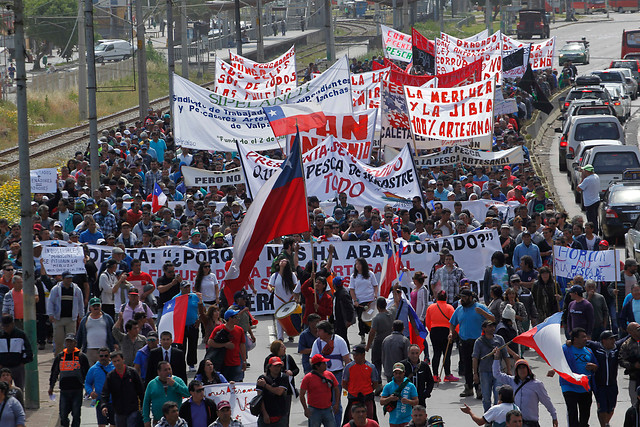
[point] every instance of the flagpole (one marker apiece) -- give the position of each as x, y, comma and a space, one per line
415, 170
244, 170
553, 264
615, 283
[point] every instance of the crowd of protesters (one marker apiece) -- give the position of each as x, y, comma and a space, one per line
106, 318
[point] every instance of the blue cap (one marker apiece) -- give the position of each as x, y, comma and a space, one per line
337, 281
230, 313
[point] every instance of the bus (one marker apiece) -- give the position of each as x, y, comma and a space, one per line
630, 42
622, 6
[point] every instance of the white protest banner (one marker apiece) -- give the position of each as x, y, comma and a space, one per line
467, 156
504, 106
396, 45
541, 55
44, 180
355, 130
330, 169
600, 266
207, 121
509, 46
474, 42
395, 129
235, 84
450, 57
472, 252
57, 260
452, 113
474, 38
195, 177
365, 88
239, 396
284, 65
479, 208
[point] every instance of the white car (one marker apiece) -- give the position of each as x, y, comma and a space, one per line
631, 82
621, 101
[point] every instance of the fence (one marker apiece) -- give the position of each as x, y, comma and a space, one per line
68, 79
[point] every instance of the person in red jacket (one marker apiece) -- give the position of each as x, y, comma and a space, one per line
317, 299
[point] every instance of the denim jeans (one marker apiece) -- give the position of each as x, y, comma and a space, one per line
323, 417
134, 419
338, 415
70, 402
489, 387
233, 373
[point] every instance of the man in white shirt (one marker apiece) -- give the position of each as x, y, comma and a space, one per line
590, 189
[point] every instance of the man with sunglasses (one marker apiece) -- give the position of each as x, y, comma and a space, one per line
94, 383
198, 410
94, 332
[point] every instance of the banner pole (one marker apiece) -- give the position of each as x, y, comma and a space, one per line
244, 170
615, 284
412, 154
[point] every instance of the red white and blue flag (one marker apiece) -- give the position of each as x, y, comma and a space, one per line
174, 317
546, 339
279, 208
159, 199
390, 268
288, 119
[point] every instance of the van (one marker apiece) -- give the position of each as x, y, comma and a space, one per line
113, 50
610, 161
586, 128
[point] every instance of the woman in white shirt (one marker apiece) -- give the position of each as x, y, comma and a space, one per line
207, 284
283, 283
363, 288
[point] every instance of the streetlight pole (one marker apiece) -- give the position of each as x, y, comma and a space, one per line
91, 88
141, 54
238, 29
32, 394
82, 64
170, 59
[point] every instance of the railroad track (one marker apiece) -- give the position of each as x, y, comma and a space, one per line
42, 146
353, 27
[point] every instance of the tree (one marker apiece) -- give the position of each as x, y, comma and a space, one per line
51, 23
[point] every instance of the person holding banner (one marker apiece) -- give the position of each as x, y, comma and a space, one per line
363, 288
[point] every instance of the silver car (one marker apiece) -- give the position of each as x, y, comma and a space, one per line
630, 82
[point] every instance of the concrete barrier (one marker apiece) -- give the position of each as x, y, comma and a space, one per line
64, 80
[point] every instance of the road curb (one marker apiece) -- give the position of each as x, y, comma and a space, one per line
566, 24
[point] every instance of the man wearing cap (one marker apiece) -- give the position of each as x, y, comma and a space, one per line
168, 285
629, 276
580, 311
401, 392
12, 302
194, 242
64, 307
273, 386
141, 361
134, 305
143, 282
319, 393
94, 383
482, 373
94, 331
71, 366
17, 349
435, 421
306, 340
469, 316
360, 378
109, 284
224, 416
235, 362
590, 189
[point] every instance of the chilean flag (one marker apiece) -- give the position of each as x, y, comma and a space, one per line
546, 339
174, 317
279, 208
288, 119
159, 199
390, 267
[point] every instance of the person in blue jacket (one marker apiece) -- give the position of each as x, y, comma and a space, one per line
94, 382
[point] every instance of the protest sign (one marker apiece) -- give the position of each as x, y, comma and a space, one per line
472, 252
480, 207
44, 180
330, 169
472, 73
452, 113
196, 177
450, 57
503, 106
395, 129
396, 45
478, 41
355, 130
424, 52
233, 83
541, 55
600, 266
207, 121
239, 396
449, 156
281, 66
365, 88
57, 260
509, 46
402, 78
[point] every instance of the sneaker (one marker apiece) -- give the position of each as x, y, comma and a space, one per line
468, 391
247, 364
451, 379
478, 393
290, 339
192, 368
436, 379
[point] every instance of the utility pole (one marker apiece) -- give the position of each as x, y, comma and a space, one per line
238, 29
489, 15
394, 6
260, 46
184, 45
143, 86
32, 394
170, 59
441, 15
328, 32
91, 88
82, 64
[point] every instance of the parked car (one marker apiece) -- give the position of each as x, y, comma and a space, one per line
585, 92
610, 161
533, 23
631, 63
618, 214
583, 107
621, 102
113, 50
573, 163
574, 51
630, 82
586, 128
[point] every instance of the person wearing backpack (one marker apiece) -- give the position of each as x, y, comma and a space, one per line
319, 393
529, 393
496, 416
